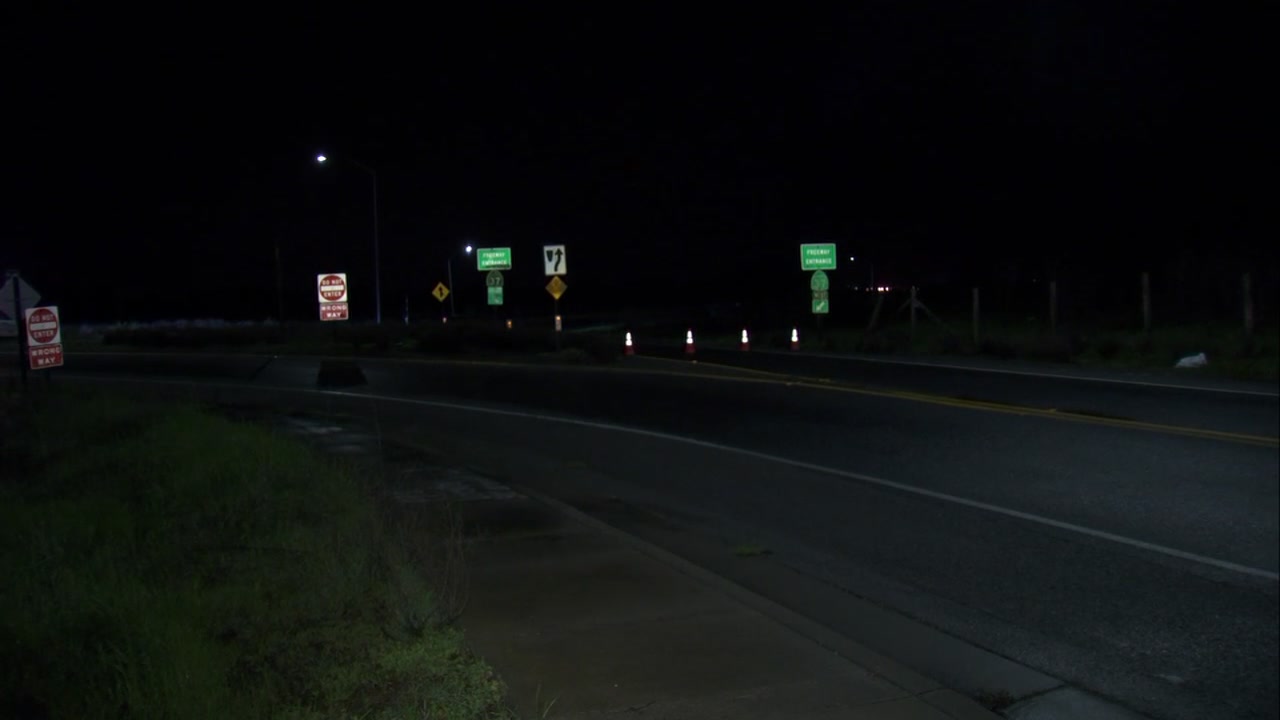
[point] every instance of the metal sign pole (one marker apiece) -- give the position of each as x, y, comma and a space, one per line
19, 327
555, 304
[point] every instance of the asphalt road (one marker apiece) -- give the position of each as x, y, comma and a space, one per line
1181, 398
1135, 558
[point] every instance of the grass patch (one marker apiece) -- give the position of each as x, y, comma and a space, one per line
751, 550
458, 338
161, 562
1231, 352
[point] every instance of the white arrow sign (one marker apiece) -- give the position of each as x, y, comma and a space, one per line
553, 259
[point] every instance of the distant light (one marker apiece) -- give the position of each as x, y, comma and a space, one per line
852, 259
321, 158
469, 249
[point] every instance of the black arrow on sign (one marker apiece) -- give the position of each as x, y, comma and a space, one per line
559, 257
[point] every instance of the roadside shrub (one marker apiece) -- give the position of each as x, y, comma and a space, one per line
442, 339
951, 344
998, 347
597, 348
1107, 347
193, 337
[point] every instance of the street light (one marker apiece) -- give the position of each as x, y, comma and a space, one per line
377, 256
453, 309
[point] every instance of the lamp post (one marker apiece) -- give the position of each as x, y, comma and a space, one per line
453, 309
377, 256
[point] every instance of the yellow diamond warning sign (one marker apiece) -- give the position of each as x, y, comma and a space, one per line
441, 292
556, 287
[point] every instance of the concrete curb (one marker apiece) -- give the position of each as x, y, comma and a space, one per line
945, 700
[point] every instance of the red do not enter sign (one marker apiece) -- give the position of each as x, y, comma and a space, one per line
333, 287
42, 326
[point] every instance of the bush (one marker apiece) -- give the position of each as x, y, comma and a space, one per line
372, 337
952, 344
999, 347
885, 341
598, 348
1108, 347
1054, 348
194, 337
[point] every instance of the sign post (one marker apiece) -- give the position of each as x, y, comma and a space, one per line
494, 284
332, 291
44, 337
494, 260
556, 288
819, 257
21, 292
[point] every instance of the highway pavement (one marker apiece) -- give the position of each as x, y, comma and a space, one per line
1121, 538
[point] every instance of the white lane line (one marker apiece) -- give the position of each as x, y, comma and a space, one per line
1009, 512
966, 502
1029, 373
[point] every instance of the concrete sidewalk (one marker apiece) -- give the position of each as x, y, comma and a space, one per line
584, 622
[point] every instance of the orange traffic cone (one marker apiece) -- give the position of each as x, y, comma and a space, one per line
746, 343
795, 339
627, 347
688, 343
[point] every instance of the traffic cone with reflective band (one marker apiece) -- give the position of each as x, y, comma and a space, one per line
746, 342
795, 339
627, 347
688, 343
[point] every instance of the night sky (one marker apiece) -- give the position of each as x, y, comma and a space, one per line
155, 161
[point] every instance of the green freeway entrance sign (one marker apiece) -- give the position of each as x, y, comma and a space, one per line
819, 281
494, 258
817, 256
495, 295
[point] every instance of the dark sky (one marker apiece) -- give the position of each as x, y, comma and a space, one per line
154, 161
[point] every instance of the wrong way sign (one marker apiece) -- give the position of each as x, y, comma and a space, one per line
44, 337
332, 289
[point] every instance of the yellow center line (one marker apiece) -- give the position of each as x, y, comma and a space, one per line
1003, 408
